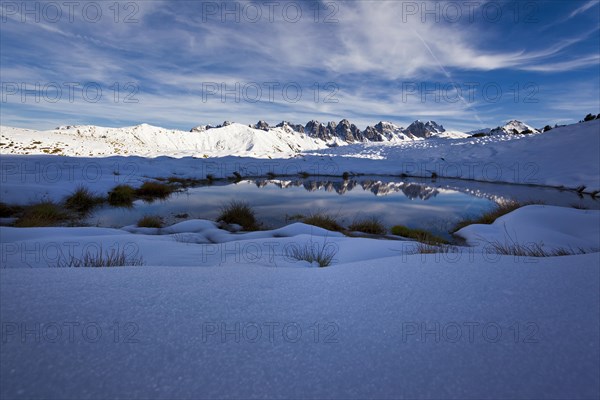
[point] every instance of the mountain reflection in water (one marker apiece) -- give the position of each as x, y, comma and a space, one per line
419, 203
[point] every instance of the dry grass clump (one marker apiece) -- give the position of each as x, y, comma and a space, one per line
45, 213
371, 226
323, 255
323, 221
82, 200
420, 235
150, 221
490, 216
240, 213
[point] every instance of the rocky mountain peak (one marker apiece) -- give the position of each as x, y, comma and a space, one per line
288, 125
347, 131
262, 125
424, 130
513, 127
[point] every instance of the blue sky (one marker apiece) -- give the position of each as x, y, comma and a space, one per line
177, 64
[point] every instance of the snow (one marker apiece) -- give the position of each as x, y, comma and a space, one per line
551, 227
149, 141
387, 318
204, 243
511, 126
564, 157
451, 135
371, 343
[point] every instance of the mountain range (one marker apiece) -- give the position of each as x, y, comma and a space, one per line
258, 140
346, 132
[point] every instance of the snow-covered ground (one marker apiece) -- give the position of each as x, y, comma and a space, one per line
151, 141
551, 227
378, 323
203, 243
563, 157
214, 314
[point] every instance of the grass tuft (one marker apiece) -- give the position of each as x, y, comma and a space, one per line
90, 260
323, 221
82, 200
150, 221
154, 190
511, 247
368, 225
490, 216
7, 211
240, 213
419, 235
45, 213
121, 196
423, 248
323, 255
533, 250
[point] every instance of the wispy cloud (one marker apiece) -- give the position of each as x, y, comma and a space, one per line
172, 49
583, 8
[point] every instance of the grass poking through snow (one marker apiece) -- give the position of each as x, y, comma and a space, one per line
99, 259
420, 235
240, 213
45, 213
154, 190
533, 250
150, 221
423, 248
323, 221
121, 196
368, 225
490, 216
323, 254
82, 200
7, 211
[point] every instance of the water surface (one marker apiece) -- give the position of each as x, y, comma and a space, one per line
418, 203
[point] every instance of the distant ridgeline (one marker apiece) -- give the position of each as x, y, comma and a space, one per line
348, 132
387, 131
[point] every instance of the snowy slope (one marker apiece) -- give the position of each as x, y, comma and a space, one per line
511, 126
260, 140
550, 227
203, 243
150, 141
379, 323
451, 135
563, 157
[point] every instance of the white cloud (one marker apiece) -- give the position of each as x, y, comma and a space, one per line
583, 8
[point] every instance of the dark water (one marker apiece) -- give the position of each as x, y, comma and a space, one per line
417, 203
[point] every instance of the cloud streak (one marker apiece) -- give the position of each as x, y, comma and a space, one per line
174, 48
